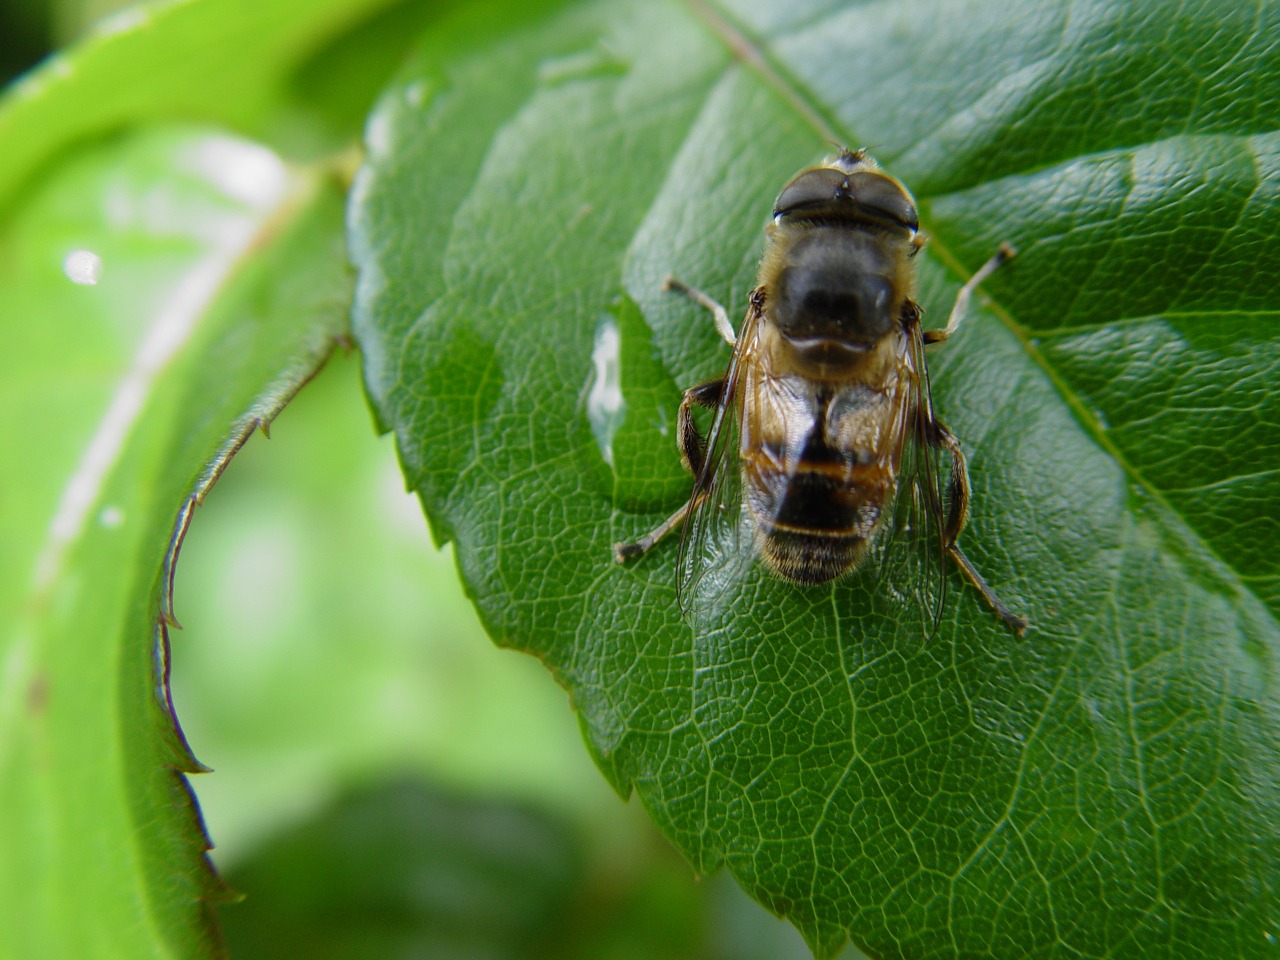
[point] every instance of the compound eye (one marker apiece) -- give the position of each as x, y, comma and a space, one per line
879, 194
820, 185
828, 188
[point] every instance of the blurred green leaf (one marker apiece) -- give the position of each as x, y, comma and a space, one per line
1109, 786
221, 287
233, 62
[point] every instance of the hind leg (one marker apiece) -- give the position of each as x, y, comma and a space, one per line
957, 516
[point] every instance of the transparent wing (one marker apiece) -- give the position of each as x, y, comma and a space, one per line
912, 548
717, 543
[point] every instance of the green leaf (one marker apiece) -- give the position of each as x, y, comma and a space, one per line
1107, 786
229, 61
221, 288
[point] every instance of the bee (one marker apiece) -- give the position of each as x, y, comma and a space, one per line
824, 451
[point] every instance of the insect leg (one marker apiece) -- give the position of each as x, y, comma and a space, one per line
957, 516
693, 448
958, 309
622, 552
723, 326
693, 452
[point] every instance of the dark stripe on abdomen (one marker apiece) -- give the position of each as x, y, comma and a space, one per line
816, 525
818, 500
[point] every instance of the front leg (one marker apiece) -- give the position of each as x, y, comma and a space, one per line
693, 454
718, 313
1002, 256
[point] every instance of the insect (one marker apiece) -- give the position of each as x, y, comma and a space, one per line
824, 452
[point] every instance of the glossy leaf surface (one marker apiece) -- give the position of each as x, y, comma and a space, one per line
1108, 786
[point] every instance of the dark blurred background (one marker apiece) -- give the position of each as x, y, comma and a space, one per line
31, 29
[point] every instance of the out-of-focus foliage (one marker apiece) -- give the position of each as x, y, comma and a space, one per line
118, 393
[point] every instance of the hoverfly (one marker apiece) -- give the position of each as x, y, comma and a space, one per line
824, 451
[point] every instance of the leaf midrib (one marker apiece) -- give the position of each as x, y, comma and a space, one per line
1055, 333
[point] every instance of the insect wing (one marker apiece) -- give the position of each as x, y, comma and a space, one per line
717, 541
912, 547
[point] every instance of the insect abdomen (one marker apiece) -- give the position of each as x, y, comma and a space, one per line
817, 524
